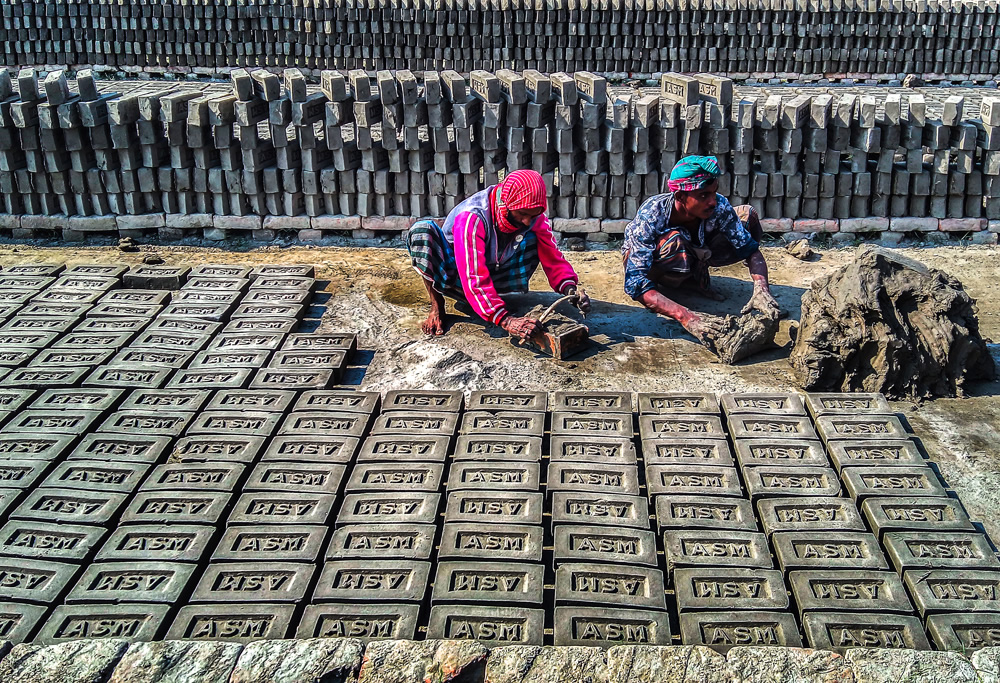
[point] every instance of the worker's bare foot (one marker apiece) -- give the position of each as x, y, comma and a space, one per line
434, 325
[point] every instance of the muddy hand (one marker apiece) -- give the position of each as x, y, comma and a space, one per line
523, 328
704, 327
762, 300
582, 299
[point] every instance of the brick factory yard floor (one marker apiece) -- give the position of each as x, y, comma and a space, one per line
375, 293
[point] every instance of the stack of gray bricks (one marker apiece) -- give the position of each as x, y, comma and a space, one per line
765, 39
267, 156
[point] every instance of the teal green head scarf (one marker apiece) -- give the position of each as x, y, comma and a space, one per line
693, 173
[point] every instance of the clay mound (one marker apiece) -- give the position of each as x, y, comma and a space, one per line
890, 324
744, 336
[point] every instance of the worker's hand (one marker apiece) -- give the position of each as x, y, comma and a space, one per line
704, 327
762, 300
582, 299
521, 327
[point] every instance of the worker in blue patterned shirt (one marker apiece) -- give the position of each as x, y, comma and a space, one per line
675, 238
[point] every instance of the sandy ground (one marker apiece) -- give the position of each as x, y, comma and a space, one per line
375, 293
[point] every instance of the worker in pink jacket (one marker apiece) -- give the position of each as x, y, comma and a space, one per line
489, 245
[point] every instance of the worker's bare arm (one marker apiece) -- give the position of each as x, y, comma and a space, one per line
701, 325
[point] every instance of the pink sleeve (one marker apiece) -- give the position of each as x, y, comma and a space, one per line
470, 255
558, 271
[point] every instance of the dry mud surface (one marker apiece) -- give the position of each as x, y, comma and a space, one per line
375, 293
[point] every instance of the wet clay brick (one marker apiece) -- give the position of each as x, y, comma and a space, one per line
245, 341
134, 623
415, 423
485, 582
254, 400
172, 322
827, 550
203, 312
212, 476
282, 270
364, 622
820, 404
94, 283
44, 323
78, 399
406, 476
868, 482
875, 453
273, 309
713, 452
151, 297
312, 342
504, 423
15, 358
768, 482
41, 540
703, 512
17, 295
285, 378
491, 626
34, 446
120, 448
470, 541
680, 426
46, 308
202, 296
115, 325
187, 400
522, 401
282, 508
19, 622
592, 402
216, 283
780, 453
965, 632
495, 476
841, 631
37, 581
251, 358
743, 426
915, 513
333, 360
244, 423
692, 480
89, 340
505, 448
763, 404
372, 581
434, 401
276, 296
156, 543
243, 449
406, 449
8, 496
97, 475
119, 582
13, 340
211, 378
573, 476
155, 277
296, 477
74, 422
592, 424
600, 509
68, 296
35, 270
14, 280
176, 507
678, 404
282, 282
495, 507
604, 545
241, 623
809, 514
723, 631
147, 421
832, 427
69, 506
325, 423
605, 627
285, 325
709, 588
716, 548
849, 590
339, 401
43, 378
253, 582
383, 541
127, 378
220, 270
939, 550
145, 358
321, 449
21, 474
97, 269
954, 590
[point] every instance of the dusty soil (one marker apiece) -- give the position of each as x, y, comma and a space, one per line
377, 294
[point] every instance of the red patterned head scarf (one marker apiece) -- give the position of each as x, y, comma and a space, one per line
519, 190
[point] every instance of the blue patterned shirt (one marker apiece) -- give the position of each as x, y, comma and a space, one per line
652, 221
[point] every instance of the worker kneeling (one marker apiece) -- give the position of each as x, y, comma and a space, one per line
676, 237
489, 245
